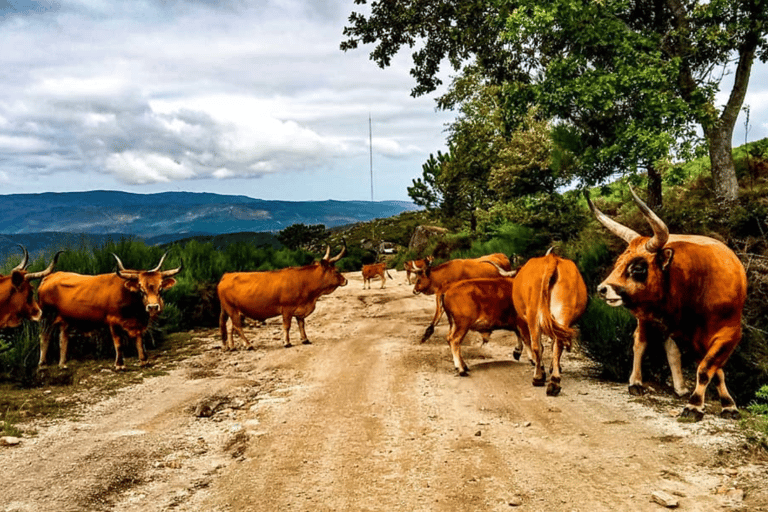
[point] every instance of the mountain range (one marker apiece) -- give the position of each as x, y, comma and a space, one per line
169, 216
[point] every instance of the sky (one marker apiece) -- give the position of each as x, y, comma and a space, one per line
239, 97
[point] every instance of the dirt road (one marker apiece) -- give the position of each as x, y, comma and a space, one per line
368, 419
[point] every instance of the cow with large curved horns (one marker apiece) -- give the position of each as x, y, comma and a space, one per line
17, 301
288, 292
693, 288
126, 299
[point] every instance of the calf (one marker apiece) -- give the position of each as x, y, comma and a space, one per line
373, 271
481, 305
434, 280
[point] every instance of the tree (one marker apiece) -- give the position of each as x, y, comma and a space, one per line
426, 190
301, 236
627, 75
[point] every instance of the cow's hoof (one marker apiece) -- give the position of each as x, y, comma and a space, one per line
64, 367
120, 368
692, 414
144, 364
539, 382
636, 390
250, 347
553, 389
516, 354
306, 342
730, 414
462, 373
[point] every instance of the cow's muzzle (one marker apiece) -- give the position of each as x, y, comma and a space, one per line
153, 308
610, 294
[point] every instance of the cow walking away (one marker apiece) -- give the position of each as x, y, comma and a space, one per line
17, 300
481, 305
289, 292
434, 280
126, 300
415, 266
373, 271
693, 288
549, 296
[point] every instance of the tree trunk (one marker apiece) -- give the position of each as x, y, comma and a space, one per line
654, 188
723, 167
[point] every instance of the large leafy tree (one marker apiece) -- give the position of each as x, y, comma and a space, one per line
632, 77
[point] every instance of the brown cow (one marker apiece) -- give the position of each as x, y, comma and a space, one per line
17, 301
693, 287
289, 292
482, 305
433, 280
128, 299
373, 271
549, 297
416, 266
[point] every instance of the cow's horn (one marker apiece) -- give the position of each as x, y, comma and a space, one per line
342, 253
159, 264
24, 260
327, 252
614, 227
660, 230
39, 275
121, 270
173, 271
502, 272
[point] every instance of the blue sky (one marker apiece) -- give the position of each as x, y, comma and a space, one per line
225, 96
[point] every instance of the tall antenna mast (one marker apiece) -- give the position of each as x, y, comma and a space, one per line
370, 146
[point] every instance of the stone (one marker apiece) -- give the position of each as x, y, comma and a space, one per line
665, 499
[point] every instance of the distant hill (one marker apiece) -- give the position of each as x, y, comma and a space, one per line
86, 218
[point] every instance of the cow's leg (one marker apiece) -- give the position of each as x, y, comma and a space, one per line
119, 362
553, 388
138, 336
676, 367
383, 280
537, 349
63, 344
718, 353
223, 320
237, 326
438, 313
638, 349
45, 338
726, 401
287, 329
300, 323
455, 337
486, 335
523, 342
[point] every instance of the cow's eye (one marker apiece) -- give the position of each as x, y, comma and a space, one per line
639, 270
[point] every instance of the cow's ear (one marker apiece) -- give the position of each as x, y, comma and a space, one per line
167, 283
17, 279
132, 285
665, 258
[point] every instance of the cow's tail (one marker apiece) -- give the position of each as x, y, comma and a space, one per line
388, 274
547, 322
